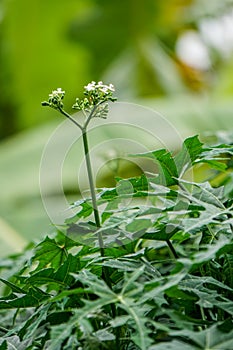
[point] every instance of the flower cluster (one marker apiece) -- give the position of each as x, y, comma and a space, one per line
106, 89
96, 94
55, 99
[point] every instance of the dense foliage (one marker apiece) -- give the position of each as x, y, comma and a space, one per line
164, 281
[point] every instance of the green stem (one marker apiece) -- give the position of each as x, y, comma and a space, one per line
172, 249
3, 330
92, 189
105, 270
92, 114
89, 171
83, 128
70, 118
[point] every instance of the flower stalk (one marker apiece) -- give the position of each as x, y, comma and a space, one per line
92, 189
93, 105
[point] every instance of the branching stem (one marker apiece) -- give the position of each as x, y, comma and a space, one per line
70, 118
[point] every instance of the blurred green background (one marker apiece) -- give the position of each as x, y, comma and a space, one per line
175, 56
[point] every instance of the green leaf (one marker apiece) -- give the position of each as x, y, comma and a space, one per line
60, 333
167, 167
122, 265
67, 293
206, 253
83, 315
191, 150
117, 252
61, 276
3, 345
204, 194
14, 343
209, 291
72, 343
86, 210
50, 253
156, 287
33, 297
218, 150
104, 335
137, 312
28, 329
162, 232
228, 269
12, 286
59, 316
136, 186
120, 321
84, 233
173, 345
212, 338
138, 225
211, 200
96, 285
214, 164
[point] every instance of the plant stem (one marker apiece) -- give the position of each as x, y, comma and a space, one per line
83, 128
91, 115
92, 189
172, 249
89, 171
105, 270
70, 118
3, 330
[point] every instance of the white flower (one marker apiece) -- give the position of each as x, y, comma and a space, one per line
60, 91
104, 89
57, 93
111, 87
91, 86
99, 86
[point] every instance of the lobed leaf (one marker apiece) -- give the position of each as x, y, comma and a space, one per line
32, 298
210, 338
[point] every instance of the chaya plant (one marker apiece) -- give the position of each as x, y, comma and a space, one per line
93, 105
159, 274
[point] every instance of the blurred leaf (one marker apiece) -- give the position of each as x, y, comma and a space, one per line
3, 346
211, 338
173, 345
163, 232
137, 225
30, 298
123, 265
30, 326
228, 269
12, 286
14, 343
59, 333
104, 335
209, 251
